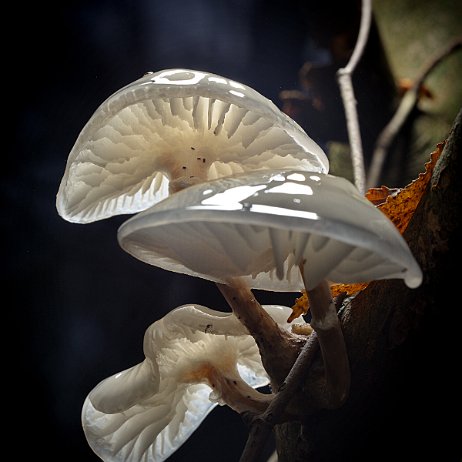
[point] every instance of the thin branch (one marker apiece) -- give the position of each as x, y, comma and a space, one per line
364, 27
349, 101
263, 424
405, 108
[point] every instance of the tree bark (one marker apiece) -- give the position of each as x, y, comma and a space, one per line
404, 348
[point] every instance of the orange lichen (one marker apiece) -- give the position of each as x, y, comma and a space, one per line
399, 206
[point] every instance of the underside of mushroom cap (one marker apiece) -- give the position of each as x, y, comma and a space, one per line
262, 226
152, 426
174, 128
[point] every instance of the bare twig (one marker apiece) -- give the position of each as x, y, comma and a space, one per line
263, 424
349, 101
405, 108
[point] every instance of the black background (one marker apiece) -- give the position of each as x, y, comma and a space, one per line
79, 305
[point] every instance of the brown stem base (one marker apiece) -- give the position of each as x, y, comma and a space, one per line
278, 348
231, 390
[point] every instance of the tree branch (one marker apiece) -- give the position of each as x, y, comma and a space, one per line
399, 355
405, 108
262, 424
349, 101
328, 335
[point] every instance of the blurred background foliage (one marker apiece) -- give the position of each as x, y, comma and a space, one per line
412, 32
404, 37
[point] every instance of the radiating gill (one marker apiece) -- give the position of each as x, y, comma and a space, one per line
301, 241
318, 242
200, 112
233, 120
210, 113
279, 245
224, 108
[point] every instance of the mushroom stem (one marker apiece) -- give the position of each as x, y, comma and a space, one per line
325, 321
231, 390
263, 423
278, 349
180, 180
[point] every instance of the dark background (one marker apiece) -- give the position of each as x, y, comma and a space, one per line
79, 305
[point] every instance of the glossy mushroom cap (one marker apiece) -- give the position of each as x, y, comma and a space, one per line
147, 412
171, 129
262, 226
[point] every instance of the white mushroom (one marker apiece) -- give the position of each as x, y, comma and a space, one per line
261, 226
276, 230
196, 358
171, 129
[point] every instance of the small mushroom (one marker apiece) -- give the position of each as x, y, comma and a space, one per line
168, 130
277, 230
196, 358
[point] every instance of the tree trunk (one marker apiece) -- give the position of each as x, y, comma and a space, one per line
404, 349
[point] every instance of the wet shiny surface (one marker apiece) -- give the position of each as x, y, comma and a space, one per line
263, 226
169, 130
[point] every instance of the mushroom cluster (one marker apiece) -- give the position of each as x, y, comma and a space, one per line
228, 188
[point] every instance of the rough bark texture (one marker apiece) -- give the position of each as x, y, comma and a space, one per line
404, 349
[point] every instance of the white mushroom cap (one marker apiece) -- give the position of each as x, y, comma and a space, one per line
261, 226
176, 126
155, 424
